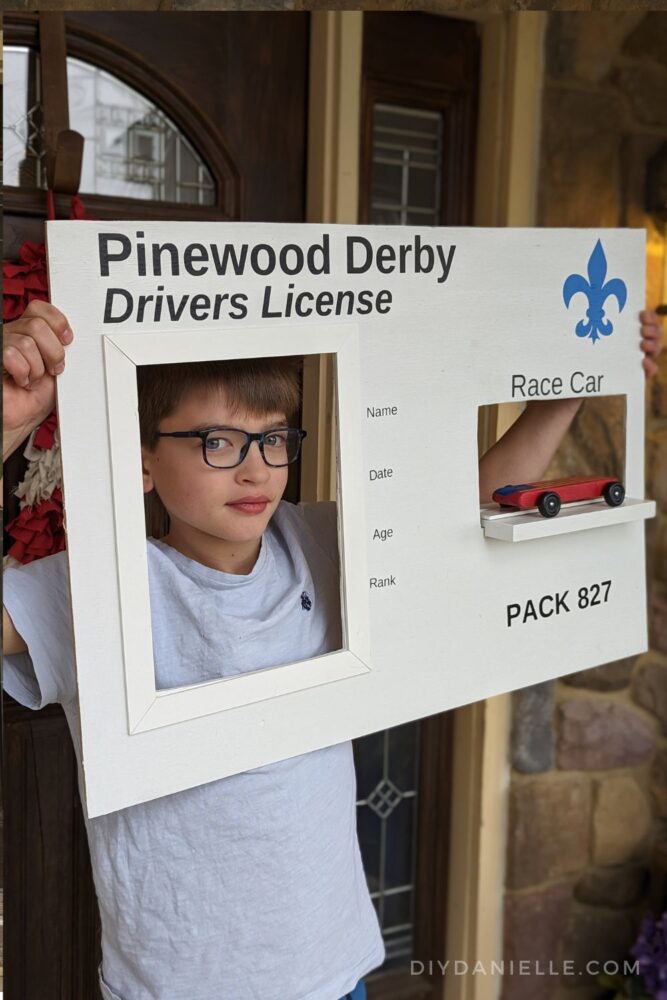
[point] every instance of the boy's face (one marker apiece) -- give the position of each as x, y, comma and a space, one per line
201, 500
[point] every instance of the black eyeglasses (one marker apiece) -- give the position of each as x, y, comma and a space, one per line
226, 447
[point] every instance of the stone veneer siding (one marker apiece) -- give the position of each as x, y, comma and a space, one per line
587, 843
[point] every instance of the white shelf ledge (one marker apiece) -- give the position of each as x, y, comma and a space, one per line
510, 526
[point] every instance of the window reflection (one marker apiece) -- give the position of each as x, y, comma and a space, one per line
23, 145
132, 148
407, 166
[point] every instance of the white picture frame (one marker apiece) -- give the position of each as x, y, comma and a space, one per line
434, 636
147, 707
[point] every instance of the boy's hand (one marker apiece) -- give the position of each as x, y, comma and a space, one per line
651, 343
32, 356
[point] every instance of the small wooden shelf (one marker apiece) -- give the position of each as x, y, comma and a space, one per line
509, 526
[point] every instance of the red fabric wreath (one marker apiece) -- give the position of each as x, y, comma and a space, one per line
24, 281
38, 531
46, 432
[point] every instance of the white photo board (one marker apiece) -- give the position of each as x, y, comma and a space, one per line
426, 325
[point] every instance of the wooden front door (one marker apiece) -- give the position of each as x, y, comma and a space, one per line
418, 128
232, 90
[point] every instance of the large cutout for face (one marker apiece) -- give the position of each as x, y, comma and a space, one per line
426, 326
219, 442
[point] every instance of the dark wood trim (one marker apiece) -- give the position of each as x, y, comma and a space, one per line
420, 49
458, 112
431, 63
423, 61
42, 814
53, 75
432, 877
13, 712
82, 43
32, 202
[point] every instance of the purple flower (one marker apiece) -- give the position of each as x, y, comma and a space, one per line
650, 950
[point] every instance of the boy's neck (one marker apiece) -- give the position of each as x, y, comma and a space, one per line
217, 553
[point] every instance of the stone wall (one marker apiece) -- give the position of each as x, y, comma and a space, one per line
587, 844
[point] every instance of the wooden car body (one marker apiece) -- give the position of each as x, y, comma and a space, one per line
526, 495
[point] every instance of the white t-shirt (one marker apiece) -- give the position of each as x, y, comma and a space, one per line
246, 888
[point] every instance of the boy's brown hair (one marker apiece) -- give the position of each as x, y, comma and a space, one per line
255, 385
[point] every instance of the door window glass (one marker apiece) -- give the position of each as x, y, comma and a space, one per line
407, 166
132, 148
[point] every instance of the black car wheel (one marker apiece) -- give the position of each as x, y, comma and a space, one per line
614, 494
548, 504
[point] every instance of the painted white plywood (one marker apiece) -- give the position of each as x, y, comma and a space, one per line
444, 321
579, 516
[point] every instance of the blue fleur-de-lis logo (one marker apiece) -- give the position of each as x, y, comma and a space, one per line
306, 602
597, 291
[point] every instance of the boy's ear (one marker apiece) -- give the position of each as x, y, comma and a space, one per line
146, 470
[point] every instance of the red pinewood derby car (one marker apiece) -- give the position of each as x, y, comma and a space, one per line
548, 496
